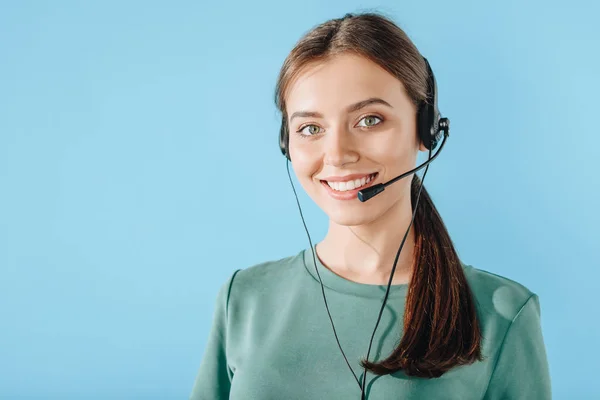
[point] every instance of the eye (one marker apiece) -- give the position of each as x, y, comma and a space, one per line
313, 130
370, 120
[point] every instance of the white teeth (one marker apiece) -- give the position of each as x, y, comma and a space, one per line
350, 185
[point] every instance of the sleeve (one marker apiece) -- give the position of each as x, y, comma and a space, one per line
522, 370
213, 379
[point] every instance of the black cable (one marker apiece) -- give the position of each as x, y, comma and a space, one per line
319, 275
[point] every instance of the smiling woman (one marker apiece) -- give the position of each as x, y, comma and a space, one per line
356, 99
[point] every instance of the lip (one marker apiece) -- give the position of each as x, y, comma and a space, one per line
349, 194
347, 177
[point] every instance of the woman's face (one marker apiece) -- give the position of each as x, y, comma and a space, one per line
350, 119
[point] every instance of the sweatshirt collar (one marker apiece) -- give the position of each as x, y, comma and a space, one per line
335, 282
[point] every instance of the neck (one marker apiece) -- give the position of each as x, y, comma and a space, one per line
366, 253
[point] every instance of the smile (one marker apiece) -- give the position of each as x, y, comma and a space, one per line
351, 184
348, 190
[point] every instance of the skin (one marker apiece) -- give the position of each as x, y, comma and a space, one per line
362, 238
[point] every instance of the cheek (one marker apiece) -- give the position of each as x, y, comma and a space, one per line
304, 167
304, 158
392, 151
395, 157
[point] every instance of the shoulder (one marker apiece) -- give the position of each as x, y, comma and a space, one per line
265, 278
268, 272
497, 296
513, 345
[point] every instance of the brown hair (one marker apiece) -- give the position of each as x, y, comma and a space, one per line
441, 329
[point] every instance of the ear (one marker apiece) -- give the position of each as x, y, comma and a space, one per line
422, 146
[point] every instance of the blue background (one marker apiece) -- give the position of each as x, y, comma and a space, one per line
139, 167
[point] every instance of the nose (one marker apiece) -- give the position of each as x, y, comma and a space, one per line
340, 148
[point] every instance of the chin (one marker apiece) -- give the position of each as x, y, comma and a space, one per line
350, 216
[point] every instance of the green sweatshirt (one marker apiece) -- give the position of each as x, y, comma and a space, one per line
271, 339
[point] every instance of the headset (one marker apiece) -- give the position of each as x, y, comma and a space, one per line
430, 127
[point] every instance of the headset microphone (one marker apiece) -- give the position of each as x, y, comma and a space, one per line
372, 191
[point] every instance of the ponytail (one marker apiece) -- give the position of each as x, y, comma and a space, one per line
441, 328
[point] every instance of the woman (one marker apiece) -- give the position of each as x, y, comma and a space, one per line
352, 94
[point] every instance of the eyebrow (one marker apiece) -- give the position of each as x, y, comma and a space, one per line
351, 108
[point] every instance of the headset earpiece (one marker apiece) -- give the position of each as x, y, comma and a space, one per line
428, 116
284, 138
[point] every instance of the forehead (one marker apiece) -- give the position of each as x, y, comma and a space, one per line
342, 80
